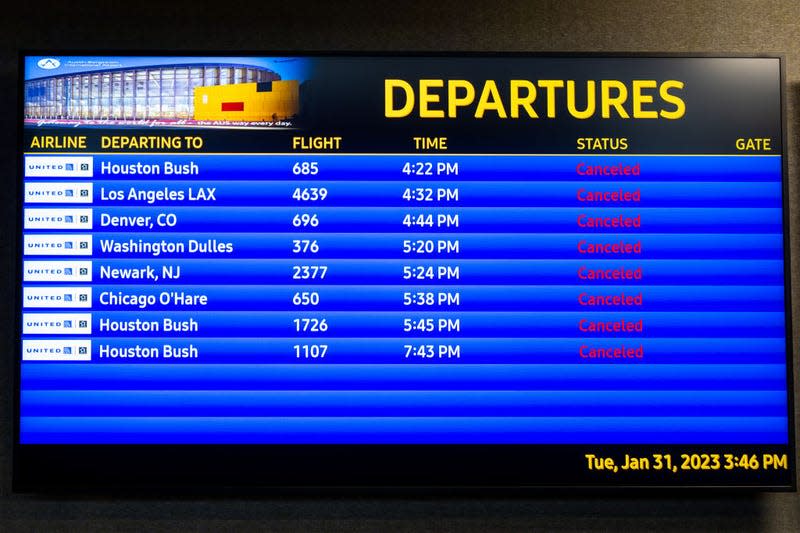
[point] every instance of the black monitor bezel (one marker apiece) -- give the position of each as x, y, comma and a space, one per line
226, 468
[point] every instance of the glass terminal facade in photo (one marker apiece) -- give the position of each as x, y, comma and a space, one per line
157, 92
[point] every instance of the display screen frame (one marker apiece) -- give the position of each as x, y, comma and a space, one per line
443, 467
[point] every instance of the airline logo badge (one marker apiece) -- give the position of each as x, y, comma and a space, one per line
49, 166
58, 193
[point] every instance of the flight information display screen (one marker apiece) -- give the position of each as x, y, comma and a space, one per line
483, 270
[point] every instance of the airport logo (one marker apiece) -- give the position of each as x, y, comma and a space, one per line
37, 166
57, 297
57, 245
74, 219
57, 271
56, 323
48, 63
58, 193
56, 350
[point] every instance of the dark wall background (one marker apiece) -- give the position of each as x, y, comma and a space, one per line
556, 25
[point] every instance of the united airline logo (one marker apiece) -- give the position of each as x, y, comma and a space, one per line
56, 350
62, 193
57, 323
57, 244
57, 297
37, 166
58, 219
57, 271
48, 63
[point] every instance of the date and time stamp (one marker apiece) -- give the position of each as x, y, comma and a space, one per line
686, 462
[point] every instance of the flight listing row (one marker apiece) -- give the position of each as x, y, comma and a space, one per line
407, 193
574, 376
768, 245
404, 430
616, 350
516, 297
634, 403
408, 219
407, 271
337, 167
